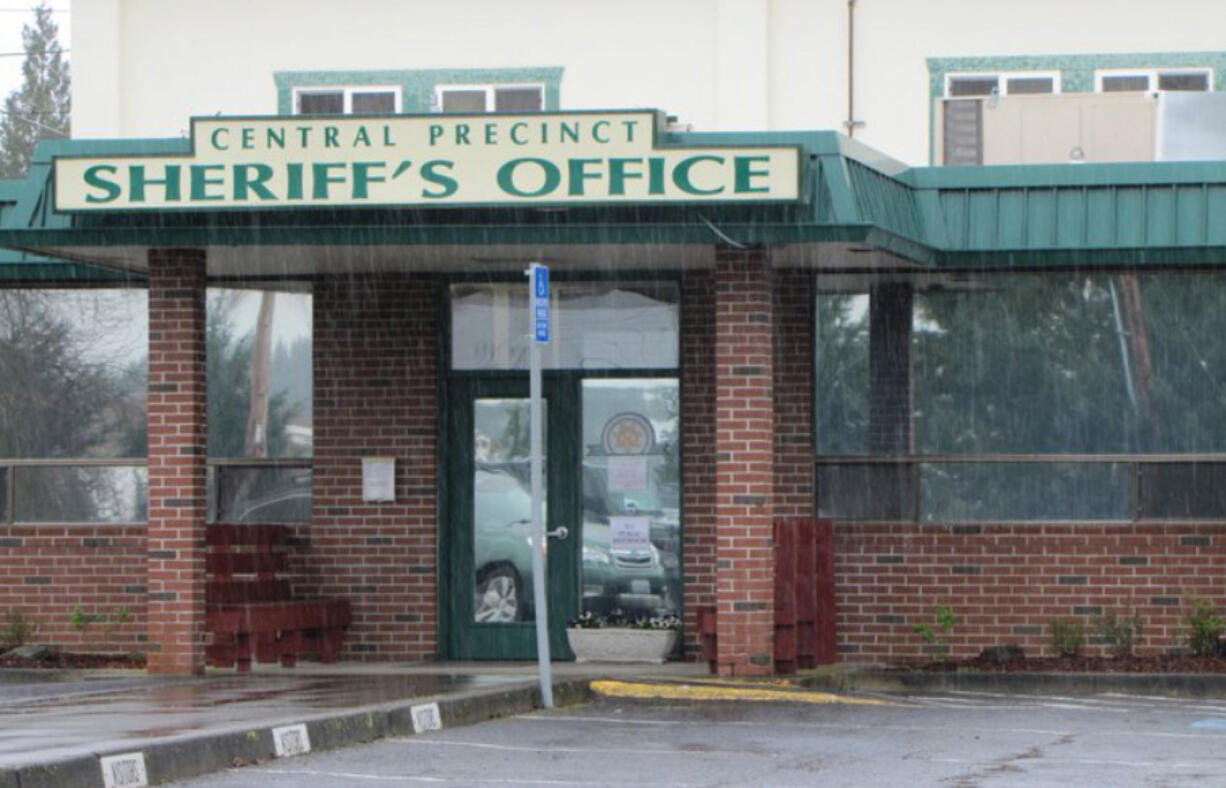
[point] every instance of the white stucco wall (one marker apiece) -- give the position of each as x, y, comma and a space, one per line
143, 67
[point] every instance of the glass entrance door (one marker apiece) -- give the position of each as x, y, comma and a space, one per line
613, 482
490, 542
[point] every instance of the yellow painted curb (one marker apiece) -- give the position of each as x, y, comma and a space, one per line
626, 689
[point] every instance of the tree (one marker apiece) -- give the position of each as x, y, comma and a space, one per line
40, 109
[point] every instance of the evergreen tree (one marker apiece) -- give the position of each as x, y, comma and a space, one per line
40, 109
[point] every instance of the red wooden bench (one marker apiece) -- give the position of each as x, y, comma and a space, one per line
250, 611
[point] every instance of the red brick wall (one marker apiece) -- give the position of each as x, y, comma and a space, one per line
744, 453
1006, 583
177, 496
698, 448
794, 394
376, 393
48, 570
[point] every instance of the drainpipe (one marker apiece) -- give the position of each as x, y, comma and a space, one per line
851, 124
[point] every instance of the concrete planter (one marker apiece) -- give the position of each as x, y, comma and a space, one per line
614, 644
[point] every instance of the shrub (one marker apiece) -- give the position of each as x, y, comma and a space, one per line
1205, 627
1067, 636
18, 629
945, 621
1121, 634
118, 617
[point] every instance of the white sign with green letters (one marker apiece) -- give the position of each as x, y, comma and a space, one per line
286, 162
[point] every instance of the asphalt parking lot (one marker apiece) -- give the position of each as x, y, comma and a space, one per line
961, 739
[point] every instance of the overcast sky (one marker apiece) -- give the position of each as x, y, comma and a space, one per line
14, 14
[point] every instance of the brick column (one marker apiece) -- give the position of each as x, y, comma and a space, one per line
177, 451
698, 447
744, 487
794, 357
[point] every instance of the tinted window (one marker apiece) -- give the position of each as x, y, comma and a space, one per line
973, 86
517, 99
463, 101
1022, 85
254, 337
1054, 363
595, 326
374, 103
263, 494
1183, 81
1183, 490
1120, 84
331, 103
79, 494
73, 373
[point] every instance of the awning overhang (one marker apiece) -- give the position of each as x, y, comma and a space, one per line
860, 211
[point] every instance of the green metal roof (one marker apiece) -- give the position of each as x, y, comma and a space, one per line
20, 266
941, 217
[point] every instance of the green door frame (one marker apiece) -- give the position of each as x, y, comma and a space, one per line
460, 636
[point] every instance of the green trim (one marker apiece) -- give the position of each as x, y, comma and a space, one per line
1126, 214
417, 86
501, 230
1076, 71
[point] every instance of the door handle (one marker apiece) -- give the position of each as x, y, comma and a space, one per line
561, 532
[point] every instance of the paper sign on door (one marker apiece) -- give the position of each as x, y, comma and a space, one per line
629, 534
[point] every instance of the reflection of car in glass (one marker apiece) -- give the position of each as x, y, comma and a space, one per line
263, 495
502, 547
633, 580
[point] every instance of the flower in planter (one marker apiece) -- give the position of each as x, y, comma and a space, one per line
618, 638
617, 619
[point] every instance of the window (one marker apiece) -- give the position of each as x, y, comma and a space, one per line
489, 98
1001, 84
596, 326
1136, 80
514, 89
73, 383
372, 100
1021, 397
260, 437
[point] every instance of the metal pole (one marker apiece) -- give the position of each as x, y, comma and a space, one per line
539, 538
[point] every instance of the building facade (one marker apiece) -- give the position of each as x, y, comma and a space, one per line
1002, 384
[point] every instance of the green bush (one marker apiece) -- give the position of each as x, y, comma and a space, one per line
1121, 634
1067, 636
18, 629
945, 622
1205, 627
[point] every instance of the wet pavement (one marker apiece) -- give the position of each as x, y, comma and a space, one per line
55, 728
63, 716
955, 740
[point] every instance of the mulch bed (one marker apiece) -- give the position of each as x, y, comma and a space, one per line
68, 660
1162, 663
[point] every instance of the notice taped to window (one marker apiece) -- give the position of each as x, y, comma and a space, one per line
629, 534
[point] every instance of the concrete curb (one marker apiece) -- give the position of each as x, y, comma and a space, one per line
196, 755
1172, 685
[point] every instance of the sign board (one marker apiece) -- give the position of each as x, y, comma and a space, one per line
541, 320
428, 160
629, 534
628, 474
378, 478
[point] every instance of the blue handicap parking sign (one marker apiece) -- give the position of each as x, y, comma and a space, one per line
541, 309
